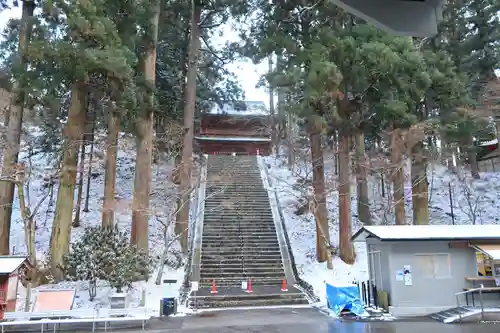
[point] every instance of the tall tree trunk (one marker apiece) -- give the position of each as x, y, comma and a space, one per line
398, 177
85, 138
420, 188
189, 111
282, 121
345, 223
29, 238
61, 226
91, 137
472, 157
274, 121
290, 137
14, 121
497, 128
362, 181
79, 196
320, 209
108, 206
142, 181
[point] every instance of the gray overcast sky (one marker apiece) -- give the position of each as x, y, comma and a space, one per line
248, 74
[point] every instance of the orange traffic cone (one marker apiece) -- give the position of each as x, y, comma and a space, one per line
283, 286
214, 288
249, 288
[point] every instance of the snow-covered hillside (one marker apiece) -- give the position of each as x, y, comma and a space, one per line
163, 197
479, 199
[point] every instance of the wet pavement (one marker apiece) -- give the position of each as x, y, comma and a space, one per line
283, 320
302, 321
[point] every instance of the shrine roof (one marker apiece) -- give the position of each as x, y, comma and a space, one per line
241, 108
9, 264
233, 138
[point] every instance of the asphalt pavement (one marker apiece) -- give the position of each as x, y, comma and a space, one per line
304, 320
281, 320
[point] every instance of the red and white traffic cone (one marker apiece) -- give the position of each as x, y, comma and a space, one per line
249, 287
213, 290
283, 286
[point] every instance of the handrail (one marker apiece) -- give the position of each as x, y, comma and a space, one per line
195, 228
198, 229
467, 291
273, 202
304, 285
470, 291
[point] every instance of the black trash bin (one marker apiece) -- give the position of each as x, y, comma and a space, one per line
168, 306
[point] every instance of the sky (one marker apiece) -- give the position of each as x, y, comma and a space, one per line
247, 73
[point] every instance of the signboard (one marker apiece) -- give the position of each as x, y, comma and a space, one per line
170, 288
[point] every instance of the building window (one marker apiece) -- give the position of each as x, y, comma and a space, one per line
433, 266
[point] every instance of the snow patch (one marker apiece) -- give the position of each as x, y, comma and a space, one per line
472, 200
40, 166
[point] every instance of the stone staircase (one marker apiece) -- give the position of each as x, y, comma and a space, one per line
239, 241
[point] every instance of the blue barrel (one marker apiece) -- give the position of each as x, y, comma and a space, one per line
168, 306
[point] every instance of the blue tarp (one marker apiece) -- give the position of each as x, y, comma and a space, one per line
344, 298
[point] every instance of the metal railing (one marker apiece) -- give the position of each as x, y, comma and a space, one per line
304, 285
77, 317
466, 293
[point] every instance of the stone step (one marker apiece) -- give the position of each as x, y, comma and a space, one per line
256, 195
211, 229
235, 265
244, 216
244, 252
219, 176
237, 196
245, 237
240, 183
239, 244
256, 188
257, 214
243, 233
241, 276
235, 222
222, 174
217, 273
235, 282
232, 226
219, 195
213, 257
236, 273
238, 200
260, 208
242, 303
246, 233
243, 273
247, 264
235, 244
237, 241
261, 300
230, 195
225, 248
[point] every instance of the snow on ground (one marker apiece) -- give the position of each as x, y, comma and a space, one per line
163, 198
477, 200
